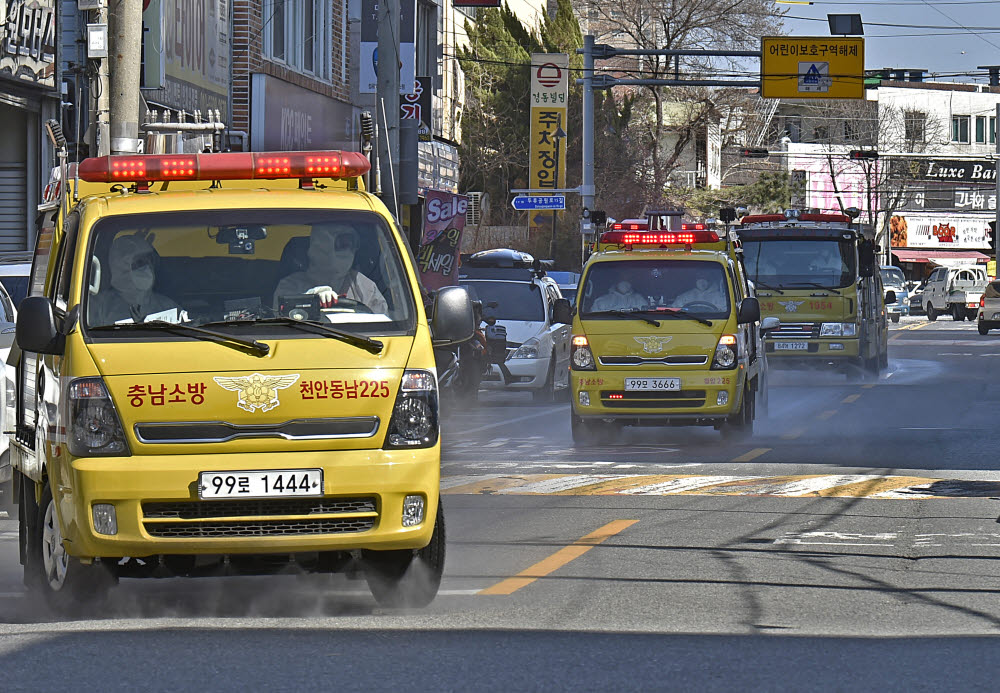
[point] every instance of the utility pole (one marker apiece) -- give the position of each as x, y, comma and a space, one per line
387, 102
101, 88
124, 57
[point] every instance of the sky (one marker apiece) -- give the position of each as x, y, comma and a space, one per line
949, 38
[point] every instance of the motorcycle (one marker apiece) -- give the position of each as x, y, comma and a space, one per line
462, 367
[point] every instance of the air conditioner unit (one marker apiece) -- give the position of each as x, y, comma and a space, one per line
474, 212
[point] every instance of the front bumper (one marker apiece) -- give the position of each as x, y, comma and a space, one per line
525, 374
698, 400
159, 512
898, 309
817, 351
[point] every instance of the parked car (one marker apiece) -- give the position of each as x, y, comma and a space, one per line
989, 308
568, 283
14, 271
955, 290
517, 292
893, 279
917, 297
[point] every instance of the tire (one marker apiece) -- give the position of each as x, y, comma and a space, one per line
69, 586
764, 396
592, 432
894, 317
739, 426
931, 313
407, 578
957, 314
984, 329
546, 393
971, 315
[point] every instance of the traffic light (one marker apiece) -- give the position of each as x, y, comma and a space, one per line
754, 153
863, 154
598, 217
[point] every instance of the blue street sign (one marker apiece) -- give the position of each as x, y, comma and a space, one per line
525, 202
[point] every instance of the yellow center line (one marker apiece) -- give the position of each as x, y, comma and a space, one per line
850, 398
560, 558
752, 455
829, 413
793, 434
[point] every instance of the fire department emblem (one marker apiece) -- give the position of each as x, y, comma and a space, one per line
791, 306
257, 391
653, 344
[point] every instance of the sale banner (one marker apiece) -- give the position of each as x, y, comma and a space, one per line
444, 222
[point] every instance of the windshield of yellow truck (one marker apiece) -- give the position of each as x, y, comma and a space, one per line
800, 263
241, 267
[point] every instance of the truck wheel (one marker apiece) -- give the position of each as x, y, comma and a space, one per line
983, 328
931, 313
894, 317
68, 585
591, 432
408, 577
971, 315
546, 393
739, 426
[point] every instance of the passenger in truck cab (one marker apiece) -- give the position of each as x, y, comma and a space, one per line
827, 261
330, 271
621, 296
705, 292
130, 298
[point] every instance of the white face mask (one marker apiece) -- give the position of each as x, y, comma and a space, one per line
143, 279
340, 262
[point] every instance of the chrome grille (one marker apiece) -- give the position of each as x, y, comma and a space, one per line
187, 510
223, 431
693, 360
260, 528
795, 330
681, 399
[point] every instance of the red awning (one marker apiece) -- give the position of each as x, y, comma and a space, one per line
940, 257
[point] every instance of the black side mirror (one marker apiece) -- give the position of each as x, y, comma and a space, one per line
36, 327
562, 312
749, 311
890, 297
866, 258
452, 319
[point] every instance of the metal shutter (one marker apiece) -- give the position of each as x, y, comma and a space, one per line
13, 201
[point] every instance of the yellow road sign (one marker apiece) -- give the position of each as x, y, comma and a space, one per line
819, 67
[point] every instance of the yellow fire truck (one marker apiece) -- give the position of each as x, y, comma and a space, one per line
817, 274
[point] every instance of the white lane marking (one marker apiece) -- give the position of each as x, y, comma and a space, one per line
680, 485
506, 422
565, 483
802, 487
904, 492
18, 595
462, 480
838, 538
927, 428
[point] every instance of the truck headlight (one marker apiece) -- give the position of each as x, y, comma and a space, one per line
528, 350
838, 329
95, 429
725, 353
582, 359
414, 422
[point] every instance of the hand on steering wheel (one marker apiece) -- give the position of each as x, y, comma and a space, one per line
327, 296
694, 305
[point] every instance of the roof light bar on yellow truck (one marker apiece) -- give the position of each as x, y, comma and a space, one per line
222, 367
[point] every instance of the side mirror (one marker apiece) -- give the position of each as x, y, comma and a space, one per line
36, 327
890, 297
866, 258
749, 311
452, 319
769, 323
562, 312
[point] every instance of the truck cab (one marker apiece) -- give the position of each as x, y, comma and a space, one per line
224, 366
955, 291
666, 332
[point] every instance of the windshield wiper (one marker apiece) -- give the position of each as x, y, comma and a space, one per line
762, 285
681, 313
818, 286
370, 345
251, 346
632, 314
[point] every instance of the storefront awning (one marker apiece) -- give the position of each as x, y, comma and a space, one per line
941, 257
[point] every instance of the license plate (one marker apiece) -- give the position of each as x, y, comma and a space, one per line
791, 346
261, 484
652, 384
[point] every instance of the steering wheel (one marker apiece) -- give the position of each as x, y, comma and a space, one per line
698, 305
347, 305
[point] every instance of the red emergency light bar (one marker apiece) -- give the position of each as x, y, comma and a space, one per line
630, 226
141, 168
762, 218
694, 227
660, 238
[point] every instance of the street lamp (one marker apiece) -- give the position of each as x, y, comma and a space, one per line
558, 135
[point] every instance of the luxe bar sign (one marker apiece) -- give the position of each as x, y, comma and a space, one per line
526, 202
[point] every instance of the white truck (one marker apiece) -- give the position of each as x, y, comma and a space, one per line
955, 290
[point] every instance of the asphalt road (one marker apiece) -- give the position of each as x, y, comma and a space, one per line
851, 544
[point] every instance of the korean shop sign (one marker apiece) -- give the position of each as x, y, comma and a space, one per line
822, 67
549, 97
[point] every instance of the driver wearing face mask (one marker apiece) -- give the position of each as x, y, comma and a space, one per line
330, 272
131, 297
